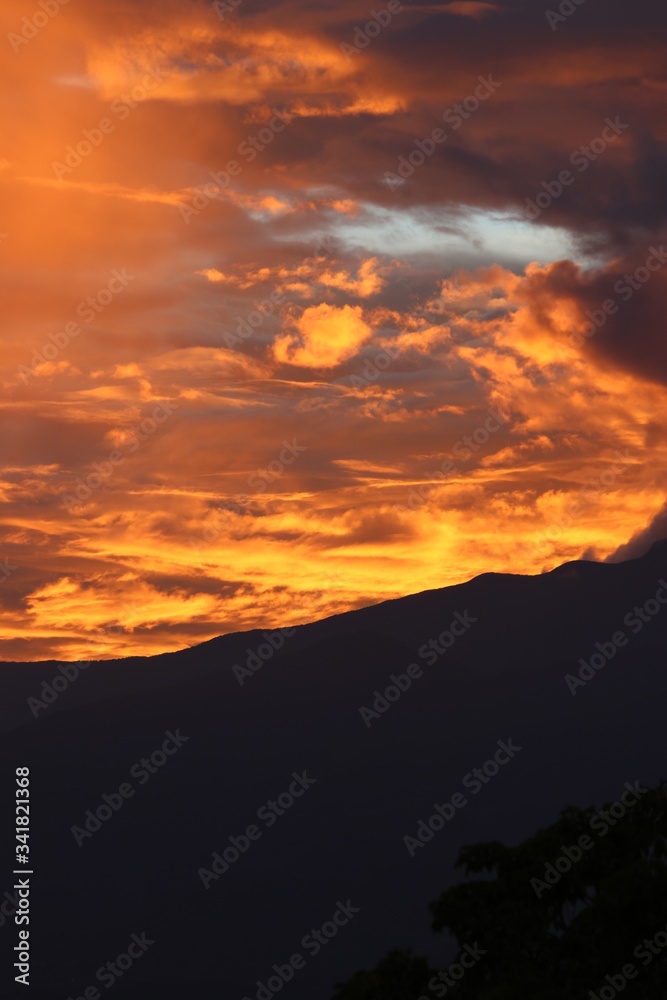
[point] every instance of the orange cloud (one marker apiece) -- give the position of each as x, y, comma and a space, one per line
325, 335
309, 312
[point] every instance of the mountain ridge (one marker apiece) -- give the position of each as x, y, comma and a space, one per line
328, 702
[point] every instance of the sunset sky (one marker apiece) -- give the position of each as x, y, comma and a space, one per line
222, 397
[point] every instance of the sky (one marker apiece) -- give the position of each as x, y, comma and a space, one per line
308, 305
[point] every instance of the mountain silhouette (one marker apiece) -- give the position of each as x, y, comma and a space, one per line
363, 756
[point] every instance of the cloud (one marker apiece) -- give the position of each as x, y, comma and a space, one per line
368, 282
324, 337
391, 321
641, 541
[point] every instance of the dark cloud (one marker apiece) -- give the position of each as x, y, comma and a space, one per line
642, 540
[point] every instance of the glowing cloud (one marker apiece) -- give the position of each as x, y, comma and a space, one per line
325, 336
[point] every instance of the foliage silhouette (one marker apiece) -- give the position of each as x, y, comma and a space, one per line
557, 938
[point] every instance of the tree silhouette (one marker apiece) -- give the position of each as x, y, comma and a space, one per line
563, 915
399, 976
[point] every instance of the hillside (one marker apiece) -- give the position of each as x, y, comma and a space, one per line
377, 773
